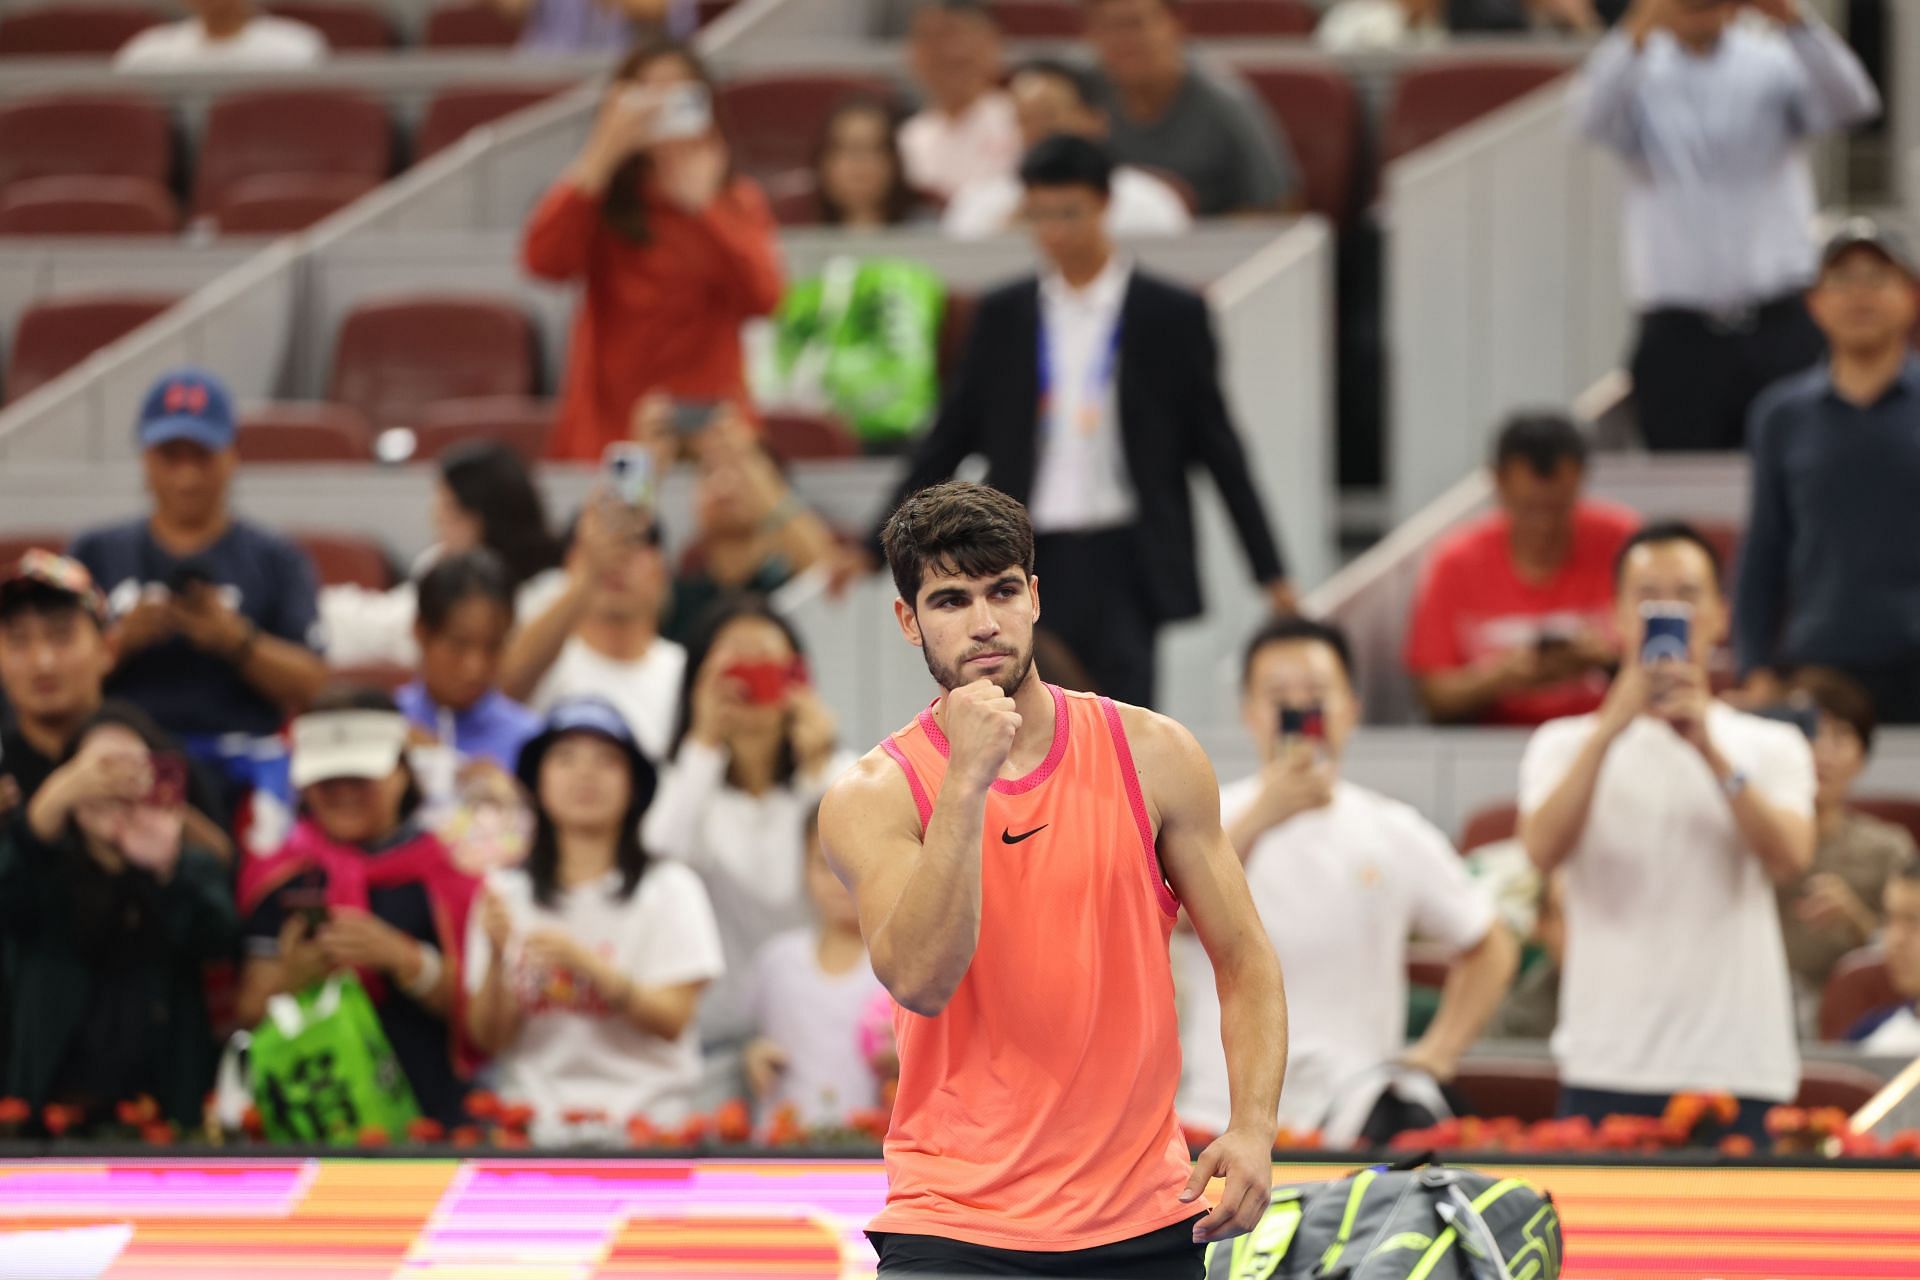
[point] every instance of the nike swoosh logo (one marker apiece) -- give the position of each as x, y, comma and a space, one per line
1007, 836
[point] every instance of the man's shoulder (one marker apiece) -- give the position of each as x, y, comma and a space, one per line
1761, 731
102, 545
1558, 733
1788, 401
1009, 296
869, 787
287, 31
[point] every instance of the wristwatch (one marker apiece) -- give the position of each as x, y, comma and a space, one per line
1734, 783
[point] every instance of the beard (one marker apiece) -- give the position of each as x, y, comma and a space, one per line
1010, 677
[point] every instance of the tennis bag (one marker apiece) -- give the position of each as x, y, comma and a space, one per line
1396, 1223
323, 1070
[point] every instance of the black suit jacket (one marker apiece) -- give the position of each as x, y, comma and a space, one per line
1172, 416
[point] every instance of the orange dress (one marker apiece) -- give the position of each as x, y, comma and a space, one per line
1035, 1111
660, 316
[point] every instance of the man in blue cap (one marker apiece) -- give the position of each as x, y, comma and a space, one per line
214, 622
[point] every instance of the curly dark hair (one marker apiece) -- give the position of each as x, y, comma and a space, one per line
958, 527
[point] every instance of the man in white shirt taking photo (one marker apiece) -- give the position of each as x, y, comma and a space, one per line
1671, 816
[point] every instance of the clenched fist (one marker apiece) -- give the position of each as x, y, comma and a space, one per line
981, 722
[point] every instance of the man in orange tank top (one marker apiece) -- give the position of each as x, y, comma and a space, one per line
1018, 855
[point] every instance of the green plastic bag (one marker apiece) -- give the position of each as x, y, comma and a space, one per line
323, 1071
862, 339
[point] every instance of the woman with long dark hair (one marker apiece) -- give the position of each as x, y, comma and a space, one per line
588, 963
674, 249
860, 181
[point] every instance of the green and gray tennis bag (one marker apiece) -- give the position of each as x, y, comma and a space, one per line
1394, 1223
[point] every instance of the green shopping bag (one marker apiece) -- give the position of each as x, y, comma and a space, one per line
322, 1069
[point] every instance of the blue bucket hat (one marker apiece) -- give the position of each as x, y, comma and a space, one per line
597, 716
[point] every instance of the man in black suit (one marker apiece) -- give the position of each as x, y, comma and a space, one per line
1091, 390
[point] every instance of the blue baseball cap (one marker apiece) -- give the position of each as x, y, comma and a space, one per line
597, 716
187, 404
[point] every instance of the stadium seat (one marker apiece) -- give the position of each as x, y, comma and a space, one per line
63, 135
520, 423
348, 27
1725, 535
1040, 19
87, 205
1836, 1084
800, 437
347, 559
1903, 811
58, 333
797, 204
956, 325
1319, 112
1430, 102
1858, 985
280, 203
312, 431
1218, 18
775, 120
15, 545
476, 25
454, 112
305, 131
80, 30
395, 357
1526, 1088
1490, 825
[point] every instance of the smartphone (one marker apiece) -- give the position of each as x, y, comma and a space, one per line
1802, 716
1307, 723
1666, 632
169, 789
187, 577
626, 471
691, 417
766, 682
685, 111
306, 897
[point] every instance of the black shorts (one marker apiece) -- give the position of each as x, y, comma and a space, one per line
1166, 1254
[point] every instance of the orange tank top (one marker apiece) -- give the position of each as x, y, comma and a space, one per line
1035, 1111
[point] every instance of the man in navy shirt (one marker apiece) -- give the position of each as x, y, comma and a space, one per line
1830, 574
214, 619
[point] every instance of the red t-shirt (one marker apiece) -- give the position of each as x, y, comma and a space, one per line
1472, 605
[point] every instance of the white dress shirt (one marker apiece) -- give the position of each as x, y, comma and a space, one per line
266, 42
1720, 201
944, 153
1080, 478
1140, 204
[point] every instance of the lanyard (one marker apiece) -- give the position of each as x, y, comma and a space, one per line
1099, 377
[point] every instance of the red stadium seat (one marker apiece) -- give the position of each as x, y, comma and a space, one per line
798, 437
520, 423
774, 121
1903, 811
56, 334
1858, 985
395, 357
956, 326
454, 112
1725, 535
304, 131
1490, 825
1215, 18
81, 30
1430, 102
15, 545
1525, 1088
1319, 111
795, 200
87, 205
1836, 1084
348, 27
1040, 19
476, 25
63, 135
347, 559
304, 432
281, 203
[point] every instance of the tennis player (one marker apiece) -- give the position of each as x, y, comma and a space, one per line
1018, 854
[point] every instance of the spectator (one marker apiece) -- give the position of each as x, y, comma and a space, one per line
1712, 117
107, 912
54, 658
560, 27
482, 497
395, 906
813, 992
1512, 623
1052, 97
675, 252
1837, 905
223, 35
1675, 816
466, 611
215, 625
1895, 1030
601, 633
1343, 878
1356, 26
587, 964
1091, 391
859, 174
754, 748
966, 131
1169, 115
1531, 1009
1830, 574
753, 533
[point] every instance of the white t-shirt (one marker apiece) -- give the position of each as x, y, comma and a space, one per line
1898, 1036
815, 1017
1341, 889
1675, 975
750, 852
945, 153
265, 42
1141, 204
646, 691
573, 1053
1081, 481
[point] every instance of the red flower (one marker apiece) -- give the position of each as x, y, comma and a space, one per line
482, 1105
374, 1136
468, 1135
157, 1134
695, 1131
584, 1115
251, 1124
138, 1112
59, 1118
424, 1129
1827, 1122
871, 1121
1783, 1121
733, 1123
514, 1115
641, 1133
1736, 1144
511, 1140
15, 1111
785, 1129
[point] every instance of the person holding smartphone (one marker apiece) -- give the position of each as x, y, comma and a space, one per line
1672, 818
755, 748
675, 252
